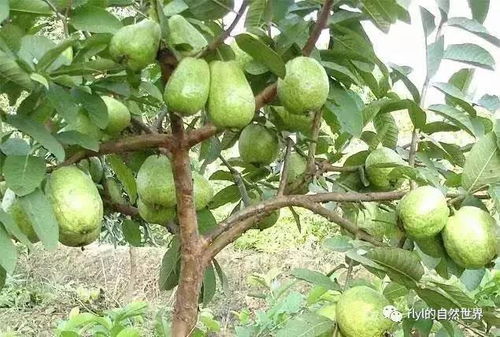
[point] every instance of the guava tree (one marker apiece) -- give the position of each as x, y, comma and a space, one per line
157, 92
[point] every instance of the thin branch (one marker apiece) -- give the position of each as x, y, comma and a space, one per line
199, 135
122, 208
238, 180
225, 34
266, 96
311, 153
158, 124
141, 125
321, 23
284, 170
325, 166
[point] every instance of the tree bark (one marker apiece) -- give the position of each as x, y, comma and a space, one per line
192, 266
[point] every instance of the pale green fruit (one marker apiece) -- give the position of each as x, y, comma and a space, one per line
155, 182
469, 237
155, 214
183, 37
92, 166
424, 212
258, 145
292, 122
118, 116
203, 191
240, 56
378, 176
359, 313
136, 45
432, 246
22, 220
186, 92
297, 166
269, 220
305, 87
77, 206
114, 190
231, 103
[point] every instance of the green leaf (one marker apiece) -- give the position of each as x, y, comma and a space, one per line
261, 53
3, 277
416, 113
479, 9
315, 278
23, 174
428, 21
434, 127
91, 67
77, 138
169, 272
339, 243
394, 291
444, 8
209, 285
41, 214
256, 13
8, 257
124, 174
482, 166
474, 27
131, 232
15, 147
387, 130
206, 221
63, 102
471, 54
434, 55
39, 133
459, 118
490, 102
399, 73
210, 150
38, 7
457, 94
129, 332
344, 107
402, 266
4, 9
307, 324
382, 12
472, 278
13, 229
11, 71
494, 192
227, 195
174, 7
55, 53
93, 103
95, 20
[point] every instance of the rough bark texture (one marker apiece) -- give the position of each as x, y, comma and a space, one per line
192, 266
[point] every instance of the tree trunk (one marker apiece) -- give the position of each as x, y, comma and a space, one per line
192, 266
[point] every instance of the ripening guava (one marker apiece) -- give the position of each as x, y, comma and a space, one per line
118, 116
424, 212
155, 182
155, 214
258, 145
297, 166
114, 190
292, 122
77, 206
269, 220
378, 175
202, 190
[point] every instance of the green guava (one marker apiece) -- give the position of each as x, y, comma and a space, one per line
469, 237
240, 56
22, 220
359, 313
84, 125
155, 182
118, 116
231, 103
92, 166
136, 45
292, 122
203, 191
186, 92
432, 246
305, 86
155, 214
269, 220
424, 212
183, 38
114, 190
77, 206
258, 145
297, 166
209, 9
378, 176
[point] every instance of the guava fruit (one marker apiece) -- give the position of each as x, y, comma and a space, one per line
432, 246
297, 166
118, 116
258, 145
183, 38
84, 125
114, 190
359, 313
269, 220
92, 166
209, 9
292, 122
77, 206
136, 45
155, 214
231, 103
22, 220
424, 212
305, 86
240, 56
469, 237
186, 92
378, 176
202, 190
155, 182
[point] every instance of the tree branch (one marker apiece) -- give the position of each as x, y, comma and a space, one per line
311, 153
238, 180
225, 34
284, 170
325, 166
321, 23
141, 125
201, 134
